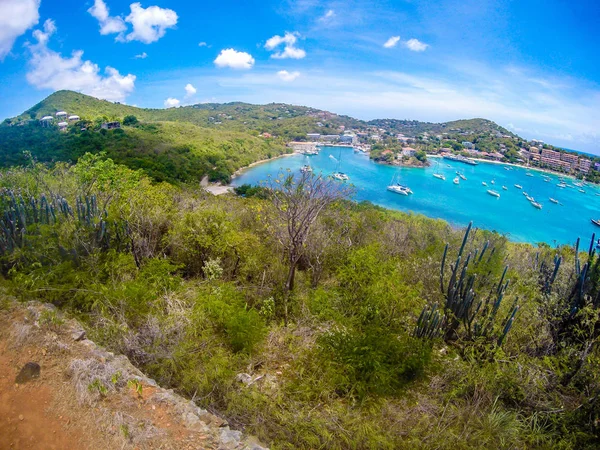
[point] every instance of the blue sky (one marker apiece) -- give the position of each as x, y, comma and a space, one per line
532, 66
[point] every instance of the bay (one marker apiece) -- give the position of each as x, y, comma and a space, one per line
511, 214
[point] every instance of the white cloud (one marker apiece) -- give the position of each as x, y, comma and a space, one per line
392, 42
203, 44
329, 15
234, 59
172, 103
415, 45
49, 70
16, 17
190, 90
108, 25
288, 76
149, 24
289, 51
142, 55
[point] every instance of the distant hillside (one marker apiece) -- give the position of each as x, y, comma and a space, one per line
414, 127
187, 143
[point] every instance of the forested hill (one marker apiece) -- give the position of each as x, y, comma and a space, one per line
187, 143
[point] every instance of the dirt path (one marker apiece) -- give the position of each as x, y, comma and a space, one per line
88, 398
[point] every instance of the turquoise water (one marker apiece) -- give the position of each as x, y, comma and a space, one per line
511, 214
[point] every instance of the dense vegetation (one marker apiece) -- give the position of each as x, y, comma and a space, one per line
393, 339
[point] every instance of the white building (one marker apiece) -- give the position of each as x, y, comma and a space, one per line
74, 118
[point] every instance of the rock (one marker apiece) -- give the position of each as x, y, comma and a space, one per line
29, 371
244, 378
230, 438
78, 335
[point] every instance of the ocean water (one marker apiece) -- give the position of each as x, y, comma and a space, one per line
511, 214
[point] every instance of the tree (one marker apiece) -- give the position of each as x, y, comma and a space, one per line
130, 120
298, 201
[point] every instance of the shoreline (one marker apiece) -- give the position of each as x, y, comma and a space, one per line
241, 170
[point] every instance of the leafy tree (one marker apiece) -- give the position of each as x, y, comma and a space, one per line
130, 120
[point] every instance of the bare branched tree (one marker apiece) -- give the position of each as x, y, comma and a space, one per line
298, 200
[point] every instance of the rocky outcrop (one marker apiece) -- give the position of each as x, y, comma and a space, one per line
147, 415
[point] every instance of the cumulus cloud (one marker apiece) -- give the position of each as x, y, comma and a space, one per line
16, 17
149, 24
288, 41
234, 59
142, 55
50, 70
288, 76
190, 90
172, 103
415, 45
108, 24
392, 42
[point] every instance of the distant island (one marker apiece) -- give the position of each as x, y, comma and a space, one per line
187, 144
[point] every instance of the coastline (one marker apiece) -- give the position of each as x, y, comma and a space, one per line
241, 170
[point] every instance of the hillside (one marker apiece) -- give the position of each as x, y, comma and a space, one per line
396, 331
185, 144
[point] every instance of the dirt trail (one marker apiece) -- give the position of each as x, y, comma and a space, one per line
88, 398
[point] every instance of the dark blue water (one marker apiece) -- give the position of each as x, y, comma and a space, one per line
511, 214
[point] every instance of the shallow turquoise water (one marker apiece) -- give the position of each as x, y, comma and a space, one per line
511, 214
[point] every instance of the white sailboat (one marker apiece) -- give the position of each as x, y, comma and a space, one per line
397, 188
437, 174
337, 175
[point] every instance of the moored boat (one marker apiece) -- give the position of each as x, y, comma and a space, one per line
553, 200
456, 180
596, 222
493, 193
536, 205
306, 168
439, 176
518, 186
484, 183
504, 188
341, 176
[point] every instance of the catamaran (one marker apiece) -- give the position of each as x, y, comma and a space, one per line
397, 188
337, 175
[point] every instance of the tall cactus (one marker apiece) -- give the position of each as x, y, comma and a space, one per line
462, 304
586, 279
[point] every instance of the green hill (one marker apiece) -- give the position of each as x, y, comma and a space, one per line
185, 144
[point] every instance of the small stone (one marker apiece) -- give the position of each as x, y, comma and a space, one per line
78, 335
230, 437
29, 371
21, 417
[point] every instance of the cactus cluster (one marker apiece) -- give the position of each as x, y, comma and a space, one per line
18, 214
547, 272
586, 279
462, 304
